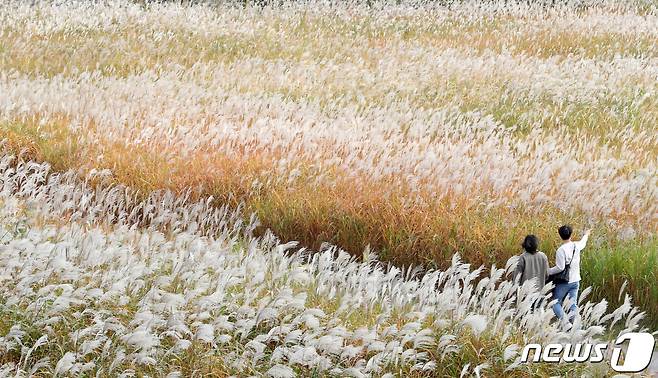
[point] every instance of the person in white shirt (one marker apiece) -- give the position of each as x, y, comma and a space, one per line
568, 253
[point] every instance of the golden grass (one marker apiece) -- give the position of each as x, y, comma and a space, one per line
350, 211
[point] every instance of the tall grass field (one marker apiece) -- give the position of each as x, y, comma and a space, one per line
320, 188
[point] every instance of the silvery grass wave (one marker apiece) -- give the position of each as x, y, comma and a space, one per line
88, 287
415, 112
95, 200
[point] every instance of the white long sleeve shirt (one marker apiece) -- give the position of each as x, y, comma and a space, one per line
564, 254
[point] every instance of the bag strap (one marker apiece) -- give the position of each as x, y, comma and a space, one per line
573, 254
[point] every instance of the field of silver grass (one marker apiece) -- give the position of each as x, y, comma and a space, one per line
412, 97
419, 130
96, 282
479, 106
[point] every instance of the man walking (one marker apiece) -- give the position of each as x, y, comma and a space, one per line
568, 255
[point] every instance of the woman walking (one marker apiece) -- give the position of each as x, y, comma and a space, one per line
532, 263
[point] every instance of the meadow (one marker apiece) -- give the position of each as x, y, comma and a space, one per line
401, 133
97, 281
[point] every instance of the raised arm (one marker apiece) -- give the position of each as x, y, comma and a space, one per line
583, 242
560, 261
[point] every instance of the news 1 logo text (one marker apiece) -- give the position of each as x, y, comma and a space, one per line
635, 358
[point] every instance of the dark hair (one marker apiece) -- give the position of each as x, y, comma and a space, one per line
530, 243
565, 232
